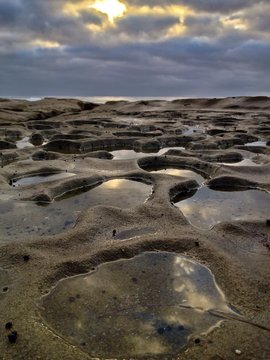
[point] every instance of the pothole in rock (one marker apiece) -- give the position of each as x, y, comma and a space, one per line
256, 143
181, 172
245, 162
208, 207
191, 130
20, 220
40, 178
131, 154
24, 143
147, 306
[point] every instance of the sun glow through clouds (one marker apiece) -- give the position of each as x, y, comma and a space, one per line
46, 44
112, 8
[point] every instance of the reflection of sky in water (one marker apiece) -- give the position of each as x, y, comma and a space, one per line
181, 172
38, 179
190, 130
21, 144
131, 154
208, 207
245, 162
256, 143
21, 219
148, 305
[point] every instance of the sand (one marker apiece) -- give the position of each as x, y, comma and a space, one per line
48, 233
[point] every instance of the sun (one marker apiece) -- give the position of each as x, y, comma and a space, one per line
112, 8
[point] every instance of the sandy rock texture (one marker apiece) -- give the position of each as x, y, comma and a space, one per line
85, 184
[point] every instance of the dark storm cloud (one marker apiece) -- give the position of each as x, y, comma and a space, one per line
139, 55
258, 18
207, 25
204, 5
43, 19
149, 25
8, 12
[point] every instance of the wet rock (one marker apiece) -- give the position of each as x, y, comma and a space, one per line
231, 183
63, 146
45, 155
12, 337
41, 199
6, 145
146, 146
99, 155
8, 325
36, 139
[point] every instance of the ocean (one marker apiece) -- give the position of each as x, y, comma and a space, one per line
103, 99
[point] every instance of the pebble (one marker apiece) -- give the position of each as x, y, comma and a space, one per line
238, 352
8, 325
12, 337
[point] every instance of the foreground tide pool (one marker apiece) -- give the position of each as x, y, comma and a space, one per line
147, 306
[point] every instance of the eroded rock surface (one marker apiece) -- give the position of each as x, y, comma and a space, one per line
85, 188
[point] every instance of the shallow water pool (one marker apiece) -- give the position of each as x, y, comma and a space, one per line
207, 207
131, 154
21, 219
146, 306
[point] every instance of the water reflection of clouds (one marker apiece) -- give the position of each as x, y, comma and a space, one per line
131, 154
197, 285
38, 179
208, 207
245, 162
148, 305
183, 173
23, 143
114, 184
256, 143
20, 218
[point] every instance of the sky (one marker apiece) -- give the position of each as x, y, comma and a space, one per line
193, 48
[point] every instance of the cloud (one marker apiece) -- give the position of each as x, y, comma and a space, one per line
207, 25
148, 27
216, 48
217, 6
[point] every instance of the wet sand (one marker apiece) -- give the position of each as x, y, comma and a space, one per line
84, 187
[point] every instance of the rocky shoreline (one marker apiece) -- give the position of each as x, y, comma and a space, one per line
86, 184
